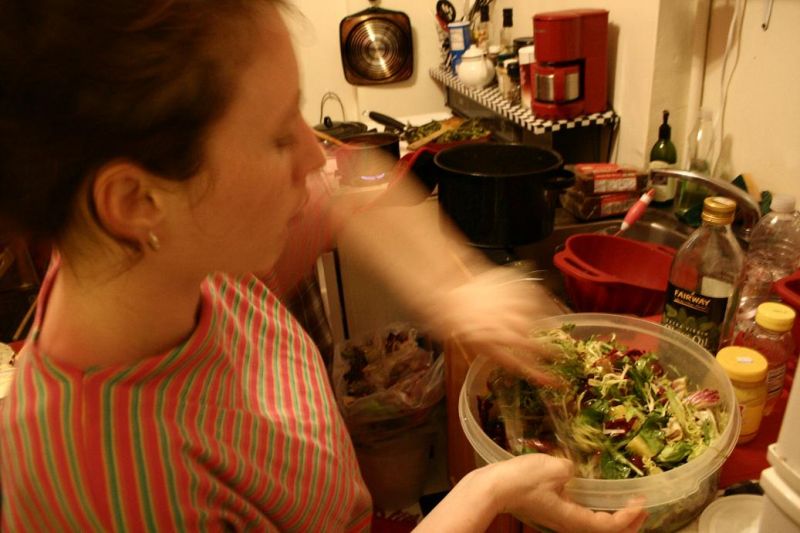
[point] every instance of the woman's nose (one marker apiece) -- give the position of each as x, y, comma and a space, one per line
310, 156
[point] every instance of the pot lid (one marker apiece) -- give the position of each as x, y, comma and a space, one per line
340, 129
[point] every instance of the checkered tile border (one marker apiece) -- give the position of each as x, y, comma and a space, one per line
491, 98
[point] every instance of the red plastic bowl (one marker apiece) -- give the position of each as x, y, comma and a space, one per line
608, 274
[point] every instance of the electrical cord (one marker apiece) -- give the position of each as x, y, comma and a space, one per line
734, 36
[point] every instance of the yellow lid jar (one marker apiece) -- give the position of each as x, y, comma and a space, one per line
747, 370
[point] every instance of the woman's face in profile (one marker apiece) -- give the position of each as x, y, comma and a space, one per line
258, 155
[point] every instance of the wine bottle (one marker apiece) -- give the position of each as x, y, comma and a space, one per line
663, 155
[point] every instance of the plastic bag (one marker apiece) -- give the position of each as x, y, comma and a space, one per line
388, 382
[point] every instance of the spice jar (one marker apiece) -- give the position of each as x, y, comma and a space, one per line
747, 370
512, 91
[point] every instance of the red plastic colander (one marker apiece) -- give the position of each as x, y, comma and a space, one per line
788, 289
605, 273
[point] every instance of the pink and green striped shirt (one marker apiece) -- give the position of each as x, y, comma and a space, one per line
236, 429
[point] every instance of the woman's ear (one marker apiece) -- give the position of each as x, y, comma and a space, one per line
127, 202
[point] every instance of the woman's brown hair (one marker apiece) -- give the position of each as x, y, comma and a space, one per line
85, 82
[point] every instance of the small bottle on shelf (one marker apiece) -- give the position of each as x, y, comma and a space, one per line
663, 155
512, 91
480, 35
526, 61
771, 336
700, 298
506, 39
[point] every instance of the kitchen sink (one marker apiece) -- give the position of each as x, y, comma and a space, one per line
657, 226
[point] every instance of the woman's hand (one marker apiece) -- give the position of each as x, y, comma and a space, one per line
492, 314
530, 487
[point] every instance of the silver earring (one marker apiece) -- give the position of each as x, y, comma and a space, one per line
153, 242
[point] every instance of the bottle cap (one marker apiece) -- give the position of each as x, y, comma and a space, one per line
508, 17
512, 67
718, 210
519, 42
743, 364
775, 317
503, 57
782, 203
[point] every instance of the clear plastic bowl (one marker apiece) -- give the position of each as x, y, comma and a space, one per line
673, 498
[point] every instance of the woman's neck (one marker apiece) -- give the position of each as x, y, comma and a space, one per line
134, 315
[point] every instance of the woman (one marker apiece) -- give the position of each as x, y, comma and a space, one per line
159, 144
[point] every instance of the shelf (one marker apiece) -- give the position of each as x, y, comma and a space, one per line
491, 98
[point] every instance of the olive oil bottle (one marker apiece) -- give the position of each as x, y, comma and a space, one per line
700, 299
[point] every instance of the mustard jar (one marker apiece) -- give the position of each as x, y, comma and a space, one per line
747, 370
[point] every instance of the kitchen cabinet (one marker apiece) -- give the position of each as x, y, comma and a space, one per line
587, 138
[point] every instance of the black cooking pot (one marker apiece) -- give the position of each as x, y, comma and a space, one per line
500, 195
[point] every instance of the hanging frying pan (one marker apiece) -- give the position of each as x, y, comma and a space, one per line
376, 47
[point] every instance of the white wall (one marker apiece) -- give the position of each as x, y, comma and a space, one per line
315, 30
419, 94
762, 118
317, 45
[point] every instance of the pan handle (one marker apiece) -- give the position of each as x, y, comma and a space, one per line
387, 121
560, 179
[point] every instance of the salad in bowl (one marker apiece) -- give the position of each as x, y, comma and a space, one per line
641, 411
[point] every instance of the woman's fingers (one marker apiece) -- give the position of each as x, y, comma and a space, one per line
569, 517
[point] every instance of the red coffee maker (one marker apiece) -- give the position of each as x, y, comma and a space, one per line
570, 74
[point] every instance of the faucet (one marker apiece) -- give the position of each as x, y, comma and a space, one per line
747, 207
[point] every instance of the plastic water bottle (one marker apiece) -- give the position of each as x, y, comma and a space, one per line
774, 253
700, 145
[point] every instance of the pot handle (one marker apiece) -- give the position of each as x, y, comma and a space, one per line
561, 179
402, 169
386, 120
406, 165
570, 265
